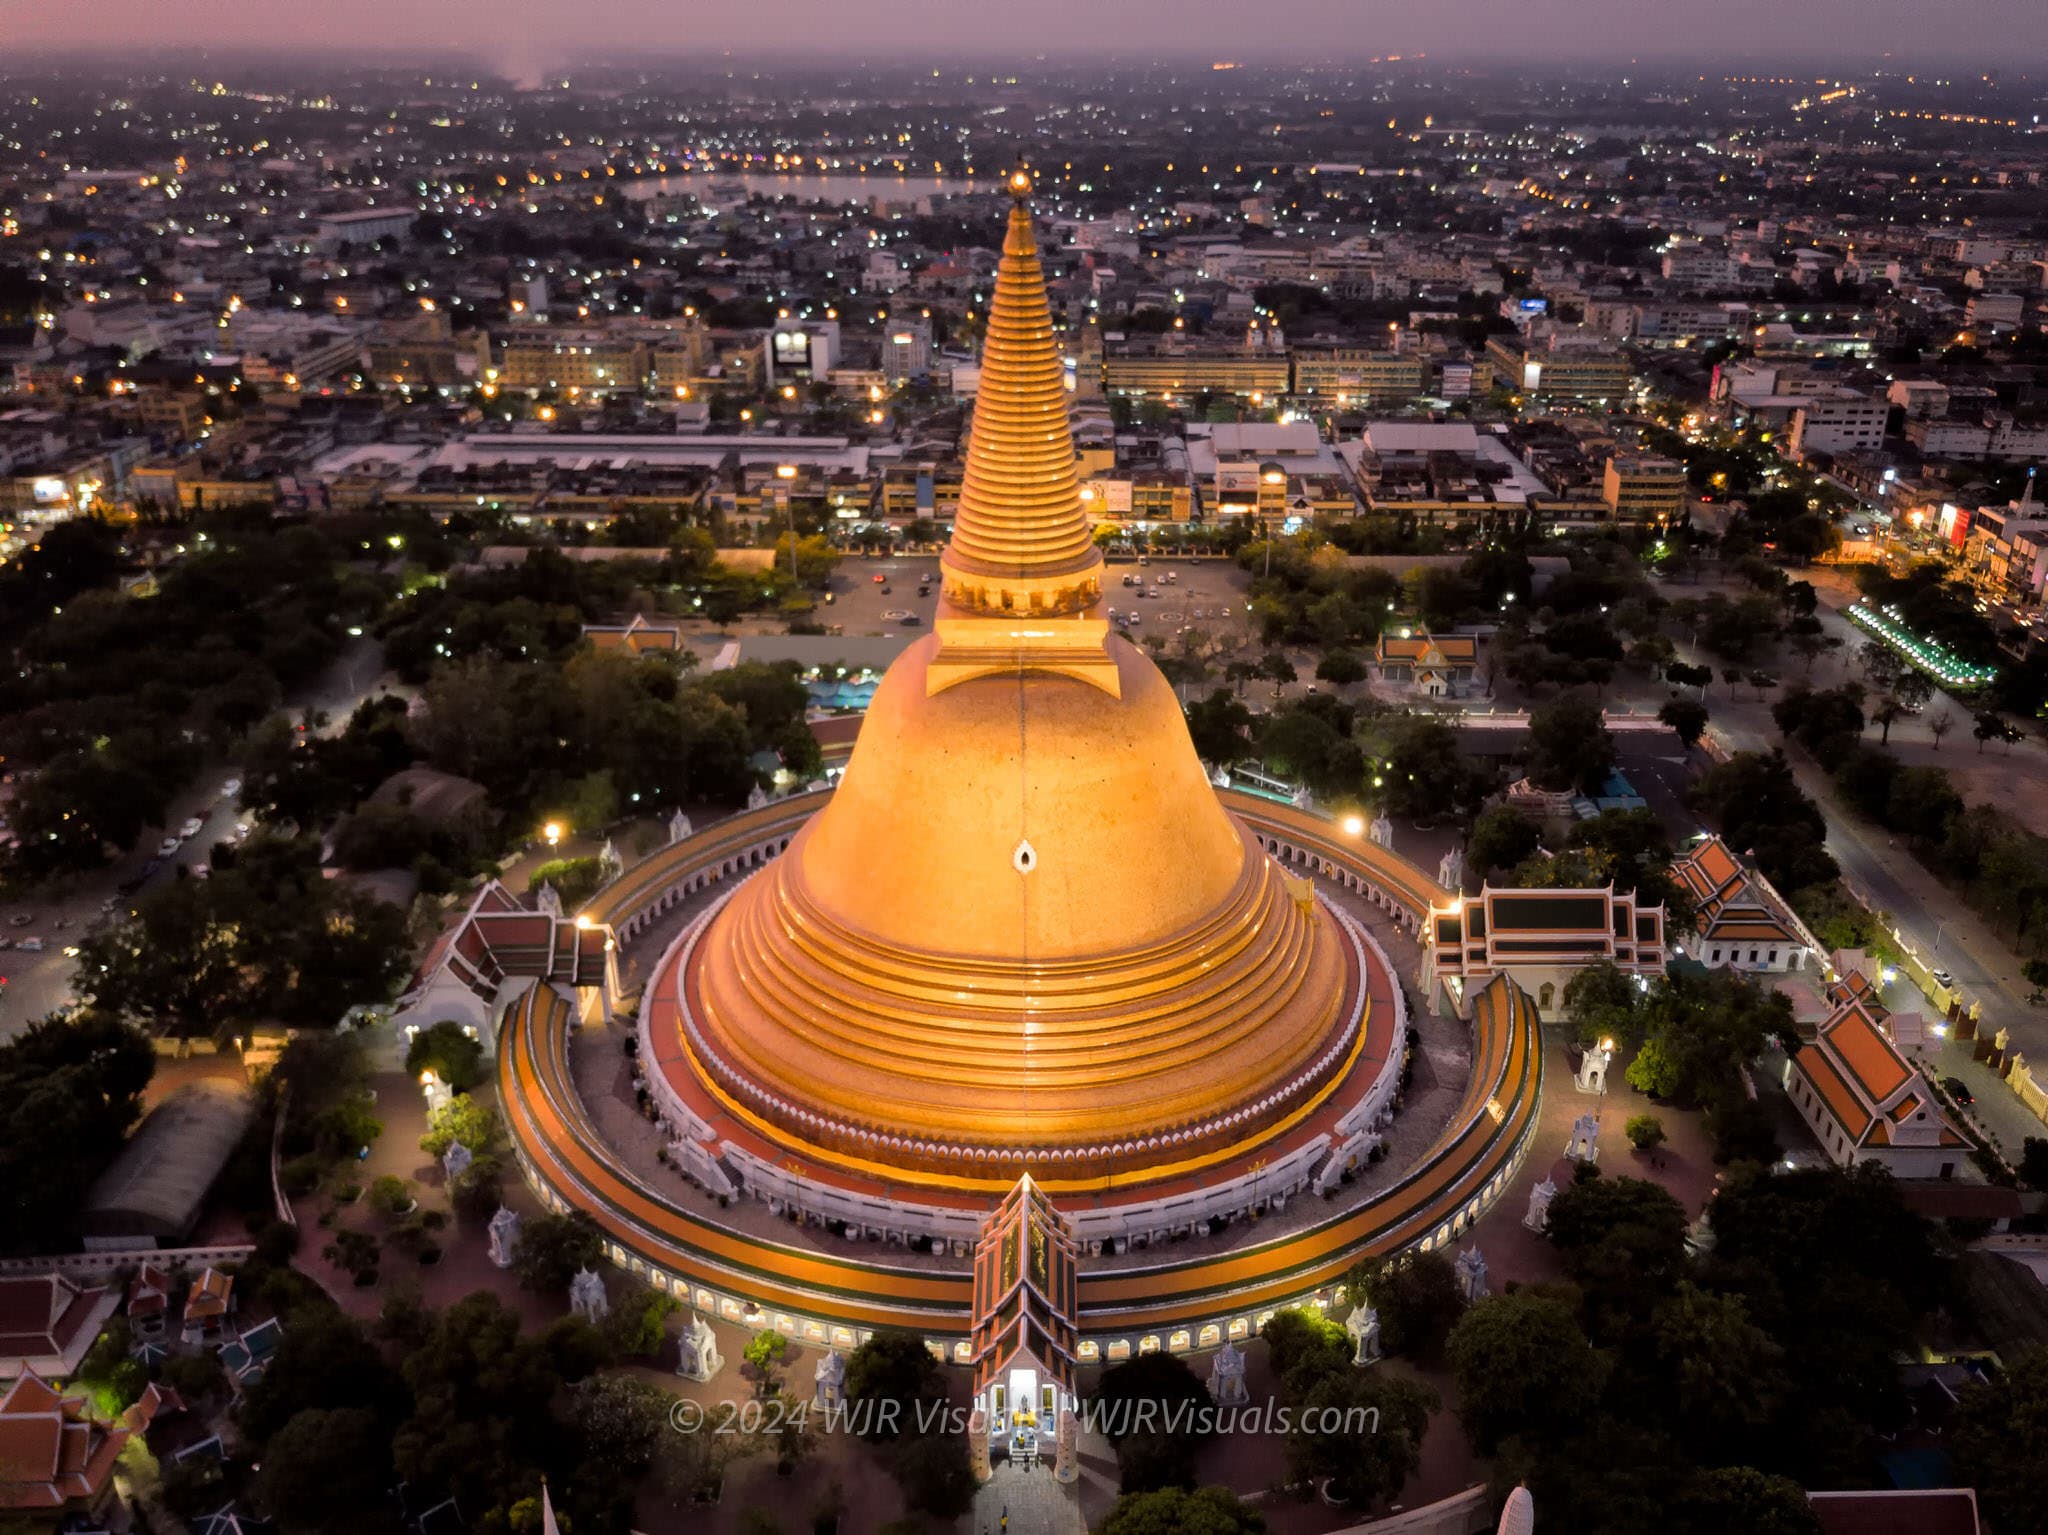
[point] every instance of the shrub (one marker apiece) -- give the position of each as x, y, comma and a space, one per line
1645, 1132
301, 1175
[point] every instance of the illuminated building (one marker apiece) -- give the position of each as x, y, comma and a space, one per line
1637, 488
593, 362
1558, 373
1356, 375
1175, 370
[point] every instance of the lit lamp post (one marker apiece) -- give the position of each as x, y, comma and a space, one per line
1354, 826
553, 833
787, 473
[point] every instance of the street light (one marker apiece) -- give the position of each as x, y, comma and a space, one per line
553, 832
1354, 825
786, 473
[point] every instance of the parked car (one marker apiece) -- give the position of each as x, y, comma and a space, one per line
21, 919
910, 620
231, 788
1959, 1090
168, 847
1943, 979
30, 945
192, 828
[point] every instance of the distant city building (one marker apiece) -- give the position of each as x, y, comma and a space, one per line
366, 226
1640, 488
1558, 372
1839, 421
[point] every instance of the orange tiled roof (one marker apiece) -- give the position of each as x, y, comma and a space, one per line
1454, 648
1835, 1093
51, 1450
1878, 1068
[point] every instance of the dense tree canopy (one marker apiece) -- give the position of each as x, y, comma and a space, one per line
70, 1091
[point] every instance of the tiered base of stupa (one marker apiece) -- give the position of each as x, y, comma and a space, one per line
1249, 1158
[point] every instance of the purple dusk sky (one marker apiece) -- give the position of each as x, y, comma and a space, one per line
522, 34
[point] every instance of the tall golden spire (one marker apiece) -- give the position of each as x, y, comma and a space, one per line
1022, 553
1019, 531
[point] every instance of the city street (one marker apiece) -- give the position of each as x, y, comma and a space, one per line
40, 983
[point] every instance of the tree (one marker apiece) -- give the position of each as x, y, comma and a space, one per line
448, 1050
1728, 1374
462, 1118
1220, 726
1423, 773
1568, 744
482, 1425
1150, 1408
1174, 1511
895, 1380
633, 1328
1502, 837
2034, 1158
1687, 719
110, 1375
1699, 1028
1523, 1367
554, 1248
762, 1360
1306, 1341
1742, 1130
1363, 1432
1275, 666
324, 1360
621, 1420
1601, 1002
2000, 1443
1939, 725
1683, 675
935, 1474
1341, 667
328, 1469
1418, 1300
1743, 1498
1623, 1243
1645, 1132
70, 1091
1760, 811
1305, 742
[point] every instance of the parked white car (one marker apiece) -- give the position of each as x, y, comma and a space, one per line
168, 847
192, 828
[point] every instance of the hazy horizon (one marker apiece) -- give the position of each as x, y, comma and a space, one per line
522, 36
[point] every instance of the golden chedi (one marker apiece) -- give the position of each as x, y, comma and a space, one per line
1023, 934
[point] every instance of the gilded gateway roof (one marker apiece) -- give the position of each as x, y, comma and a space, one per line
1023, 931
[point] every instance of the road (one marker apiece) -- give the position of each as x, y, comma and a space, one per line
1197, 596
39, 984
